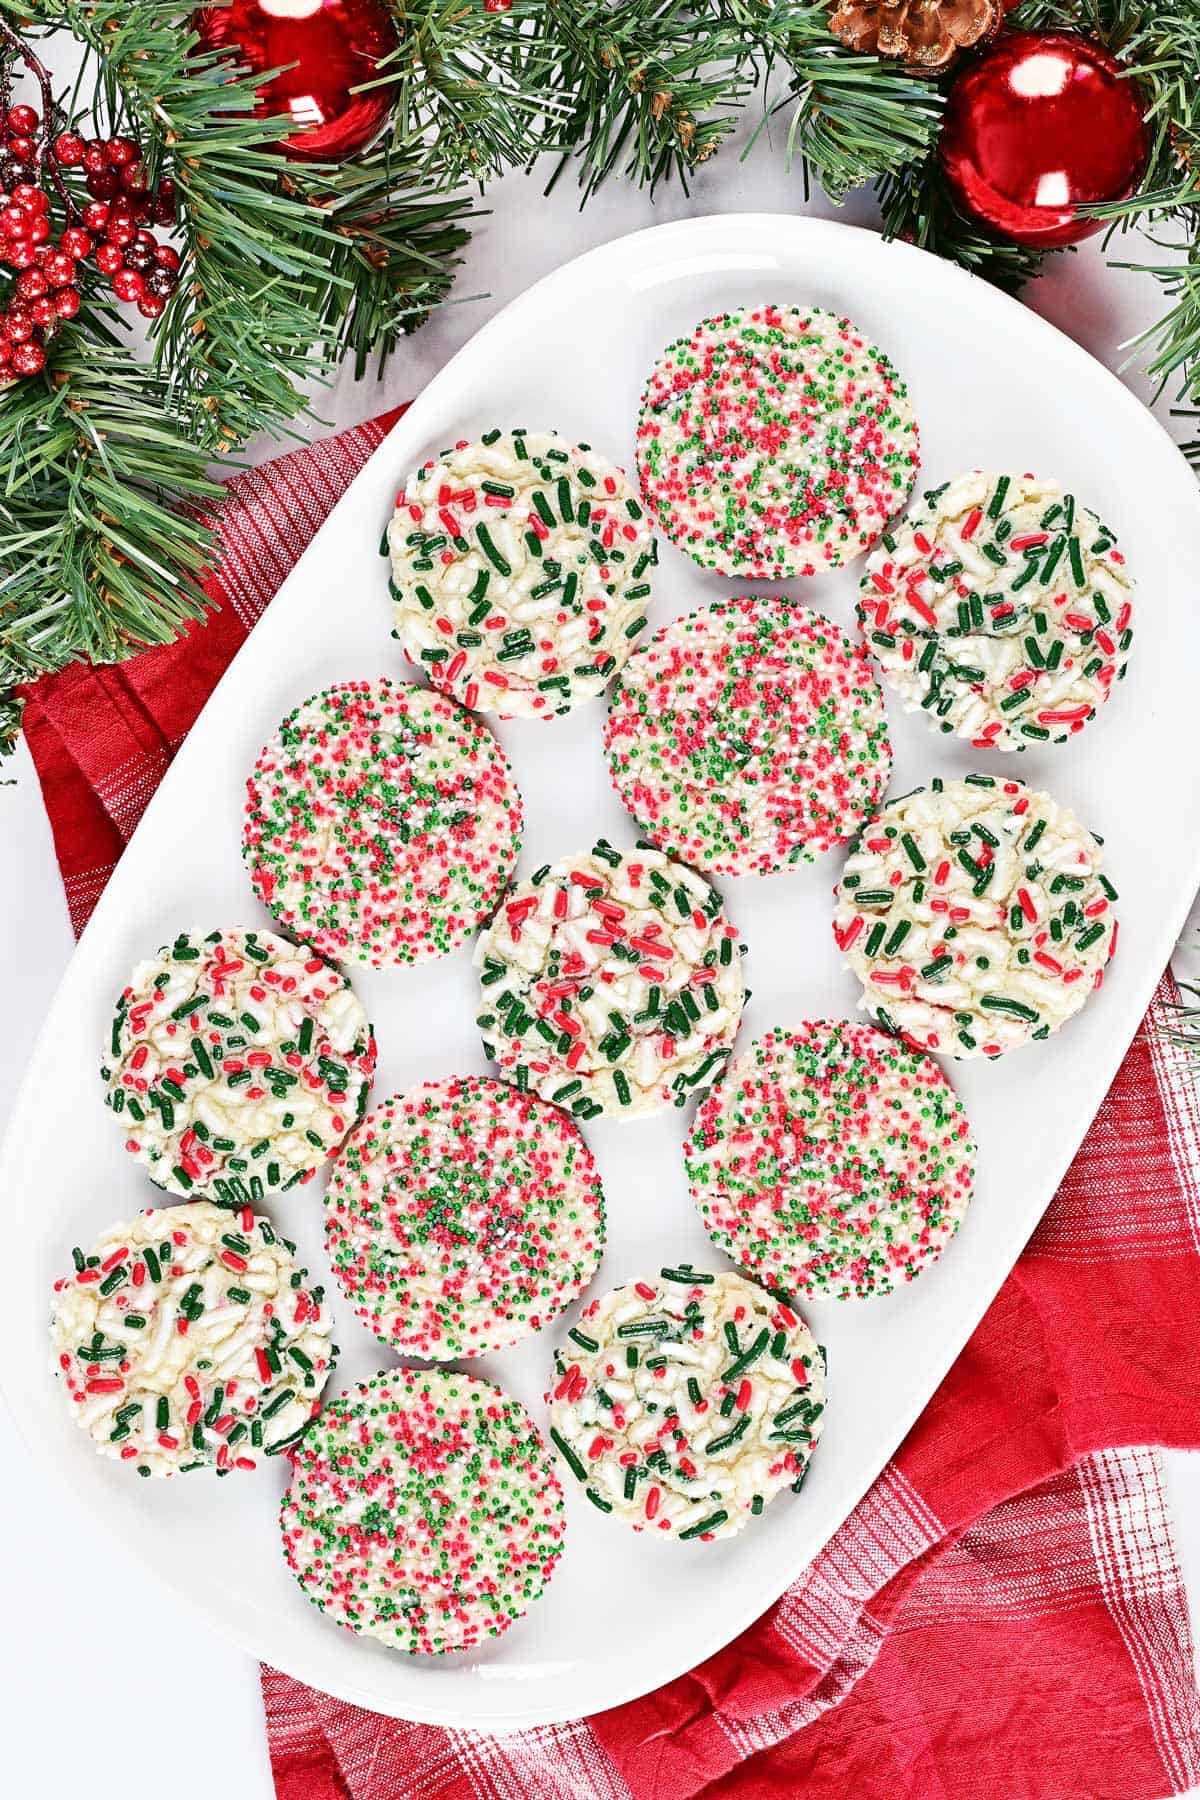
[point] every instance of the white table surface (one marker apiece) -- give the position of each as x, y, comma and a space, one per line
67, 1675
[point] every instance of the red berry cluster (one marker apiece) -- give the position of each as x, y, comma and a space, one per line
113, 232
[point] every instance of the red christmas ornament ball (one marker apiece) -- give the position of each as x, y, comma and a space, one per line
334, 45
1040, 124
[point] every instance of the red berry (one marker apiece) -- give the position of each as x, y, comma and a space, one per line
162, 282
142, 209
109, 258
166, 255
133, 178
19, 325
20, 256
67, 302
76, 243
5, 352
31, 285
28, 359
120, 152
164, 202
120, 231
22, 149
150, 306
59, 269
95, 216
25, 194
127, 284
39, 228
15, 222
102, 186
42, 311
94, 158
69, 148
22, 121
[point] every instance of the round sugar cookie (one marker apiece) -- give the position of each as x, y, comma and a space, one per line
236, 1063
463, 1216
748, 737
976, 915
190, 1338
521, 569
423, 1511
1002, 609
831, 1161
382, 823
775, 441
682, 1403
611, 983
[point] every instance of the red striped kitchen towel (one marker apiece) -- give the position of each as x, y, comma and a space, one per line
1003, 1615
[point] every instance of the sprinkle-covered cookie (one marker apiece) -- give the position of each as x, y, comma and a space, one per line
463, 1216
382, 823
1001, 608
236, 1063
611, 983
520, 572
831, 1161
775, 441
748, 737
423, 1511
190, 1338
684, 1402
976, 916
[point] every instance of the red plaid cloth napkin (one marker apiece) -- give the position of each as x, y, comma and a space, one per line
1003, 1614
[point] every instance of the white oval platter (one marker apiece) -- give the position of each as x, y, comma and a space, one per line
991, 384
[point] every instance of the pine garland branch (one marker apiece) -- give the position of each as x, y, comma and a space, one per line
87, 511
851, 118
650, 90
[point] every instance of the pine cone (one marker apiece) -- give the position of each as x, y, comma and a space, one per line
925, 34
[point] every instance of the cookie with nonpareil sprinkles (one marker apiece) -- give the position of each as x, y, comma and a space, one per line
749, 737
463, 1216
190, 1338
382, 823
236, 1063
682, 1403
1002, 609
611, 983
775, 441
521, 570
423, 1511
831, 1161
976, 915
